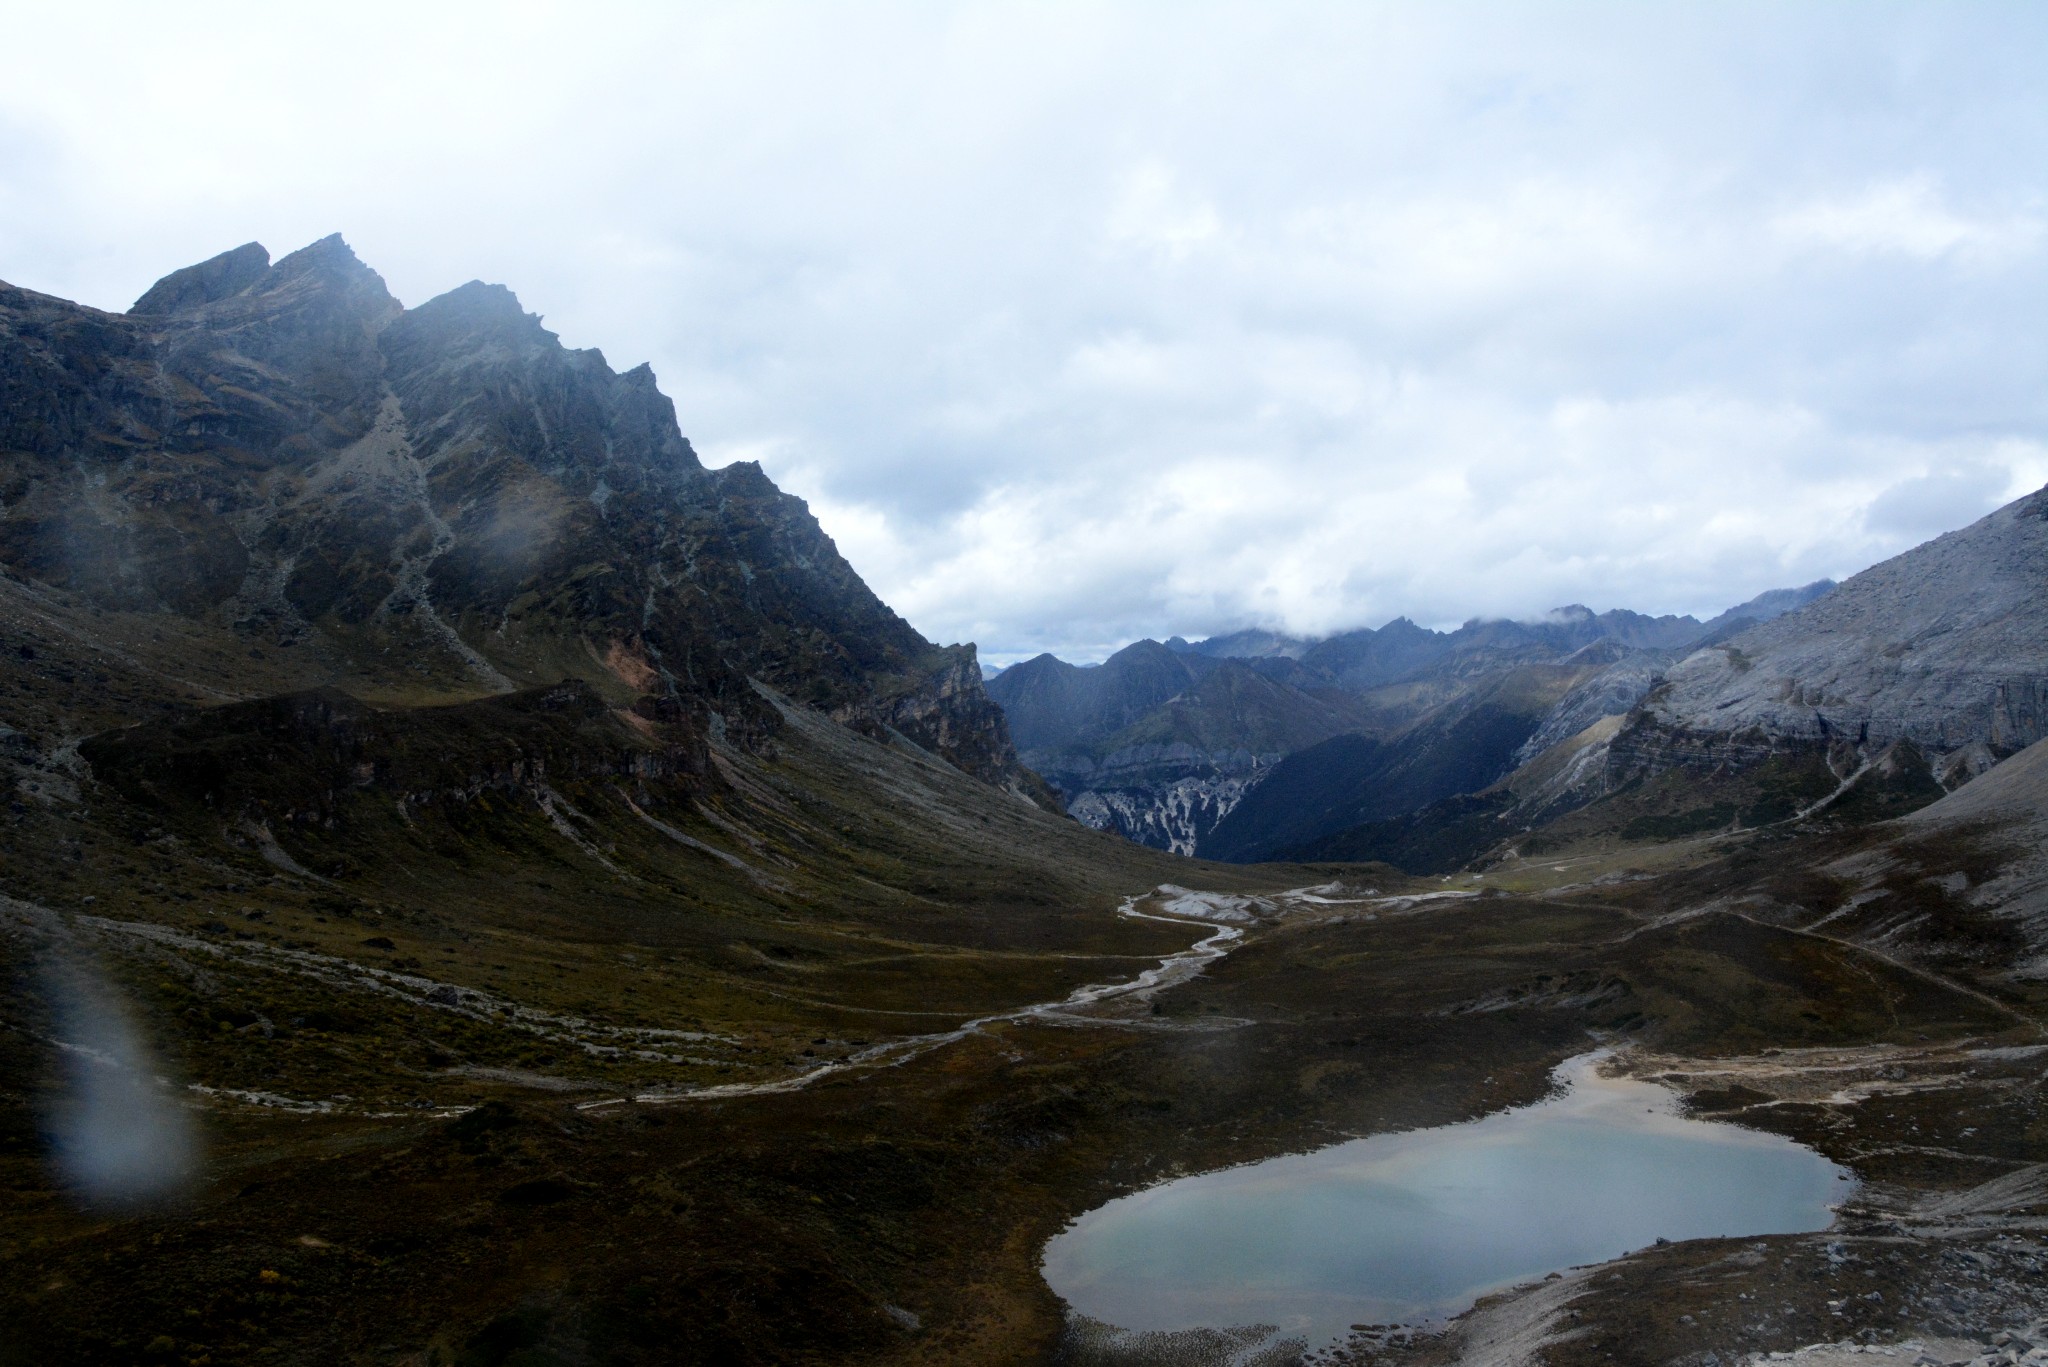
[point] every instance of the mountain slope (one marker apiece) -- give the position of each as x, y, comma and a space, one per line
1419, 712
279, 561
1168, 778
1050, 703
429, 504
1946, 645
1766, 605
1855, 703
1252, 643
1357, 778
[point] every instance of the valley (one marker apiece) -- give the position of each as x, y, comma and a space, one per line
561, 1202
480, 888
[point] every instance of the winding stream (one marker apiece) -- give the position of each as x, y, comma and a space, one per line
1173, 969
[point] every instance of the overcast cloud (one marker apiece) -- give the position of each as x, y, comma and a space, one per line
1078, 324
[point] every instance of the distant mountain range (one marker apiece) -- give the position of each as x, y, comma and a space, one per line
1186, 746
1157, 744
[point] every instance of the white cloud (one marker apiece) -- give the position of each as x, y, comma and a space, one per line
1152, 215
1910, 218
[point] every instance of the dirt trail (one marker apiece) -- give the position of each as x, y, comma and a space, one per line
1199, 910
1913, 970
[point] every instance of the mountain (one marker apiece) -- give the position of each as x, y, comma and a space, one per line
1049, 702
278, 464
1762, 608
405, 743
1366, 659
1249, 644
1358, 660
1851, 703
478, 888
1351, 779
1945, 646
1388, 721
1157, 744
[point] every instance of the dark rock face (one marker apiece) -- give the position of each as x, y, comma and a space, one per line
435, 503
227, 274
291, 759
949, 713
1351, 779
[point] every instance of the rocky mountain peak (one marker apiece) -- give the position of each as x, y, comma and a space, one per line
433, 504
477, 308
211, 280
1147, 653
331, 255
244, 283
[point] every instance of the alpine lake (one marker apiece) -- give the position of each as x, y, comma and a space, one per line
1413, 1227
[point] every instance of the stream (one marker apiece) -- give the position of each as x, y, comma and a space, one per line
1212, 911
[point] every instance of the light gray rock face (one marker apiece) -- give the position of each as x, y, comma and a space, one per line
1168, 796
1945, 646
1172, 816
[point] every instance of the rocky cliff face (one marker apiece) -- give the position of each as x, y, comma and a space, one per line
1170, 813
1945, 646
431, 504
949, 712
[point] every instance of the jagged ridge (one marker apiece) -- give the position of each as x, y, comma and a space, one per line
430, 504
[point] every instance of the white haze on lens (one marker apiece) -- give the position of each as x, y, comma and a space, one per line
119, 1134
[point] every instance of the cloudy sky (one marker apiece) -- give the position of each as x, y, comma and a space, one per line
1082, 323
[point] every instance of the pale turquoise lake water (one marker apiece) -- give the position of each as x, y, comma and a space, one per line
1406, 1228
